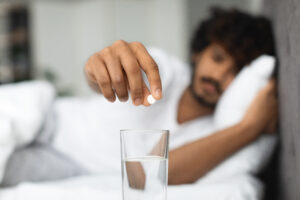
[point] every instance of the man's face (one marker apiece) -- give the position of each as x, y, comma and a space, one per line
214, 71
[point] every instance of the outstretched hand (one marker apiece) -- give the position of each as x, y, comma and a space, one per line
116, 70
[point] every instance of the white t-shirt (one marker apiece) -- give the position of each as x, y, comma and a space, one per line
89, 129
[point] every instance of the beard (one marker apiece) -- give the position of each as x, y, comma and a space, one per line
200, 99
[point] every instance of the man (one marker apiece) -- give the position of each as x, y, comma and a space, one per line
221, 46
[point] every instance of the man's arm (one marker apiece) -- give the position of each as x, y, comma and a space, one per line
190, 162
193, 160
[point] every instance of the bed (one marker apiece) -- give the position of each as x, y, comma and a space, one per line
281, 176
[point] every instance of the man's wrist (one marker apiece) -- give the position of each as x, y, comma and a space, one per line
249, 129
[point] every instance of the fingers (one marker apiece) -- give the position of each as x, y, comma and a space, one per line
146, 93
116, 74
133, 72
102, 77
115, 70
147, 63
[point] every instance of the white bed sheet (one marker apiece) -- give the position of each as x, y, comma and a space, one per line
108, 187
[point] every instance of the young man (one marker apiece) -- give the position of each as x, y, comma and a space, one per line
221, 46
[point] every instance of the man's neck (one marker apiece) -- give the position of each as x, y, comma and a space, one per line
189, 108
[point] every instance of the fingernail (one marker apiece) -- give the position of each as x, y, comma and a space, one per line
158, 93
112, 99
138, 101
124, 99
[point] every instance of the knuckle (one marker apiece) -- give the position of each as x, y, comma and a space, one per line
93, 58
119, 46
133, 69
88, 69
136, 44
105, 83
105, 51
120, 43
118, 80
152, 67
90, 63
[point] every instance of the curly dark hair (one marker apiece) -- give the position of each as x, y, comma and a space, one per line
242, 35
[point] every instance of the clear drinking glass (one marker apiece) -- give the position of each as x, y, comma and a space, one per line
144, 164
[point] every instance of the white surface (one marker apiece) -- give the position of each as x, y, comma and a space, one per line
108, 187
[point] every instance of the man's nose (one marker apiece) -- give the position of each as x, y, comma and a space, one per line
219, 75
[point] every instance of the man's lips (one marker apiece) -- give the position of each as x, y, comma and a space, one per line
209, 88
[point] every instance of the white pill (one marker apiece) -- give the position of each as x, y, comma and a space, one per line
150, 99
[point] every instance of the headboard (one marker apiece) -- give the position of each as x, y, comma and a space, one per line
285, 15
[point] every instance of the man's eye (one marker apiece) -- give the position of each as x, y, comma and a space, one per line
218, 58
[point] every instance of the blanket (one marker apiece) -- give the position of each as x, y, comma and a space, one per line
23, 108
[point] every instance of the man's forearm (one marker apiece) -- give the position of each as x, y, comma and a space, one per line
191, 161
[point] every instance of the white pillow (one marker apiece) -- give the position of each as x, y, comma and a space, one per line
237, 98
6, 143
230, 110
23, 107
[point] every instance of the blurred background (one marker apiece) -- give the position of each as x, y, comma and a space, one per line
51, 40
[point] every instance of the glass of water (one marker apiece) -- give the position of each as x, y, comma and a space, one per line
144, 164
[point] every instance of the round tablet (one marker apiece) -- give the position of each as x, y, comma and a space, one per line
150, 99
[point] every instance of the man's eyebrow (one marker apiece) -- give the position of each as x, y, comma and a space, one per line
219, 50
